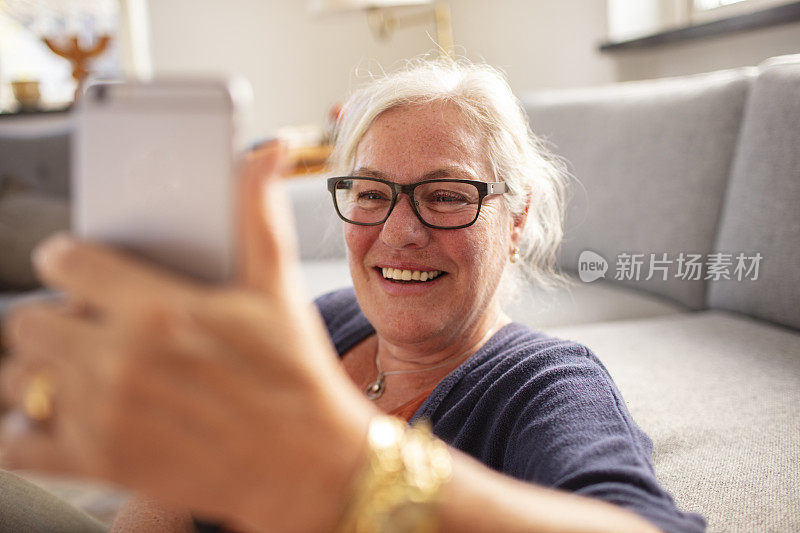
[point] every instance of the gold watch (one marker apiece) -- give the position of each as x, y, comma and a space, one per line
398, 490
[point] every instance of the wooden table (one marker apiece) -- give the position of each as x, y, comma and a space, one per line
308, 160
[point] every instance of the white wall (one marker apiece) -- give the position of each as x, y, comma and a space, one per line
538, 43
553, 43
300, 64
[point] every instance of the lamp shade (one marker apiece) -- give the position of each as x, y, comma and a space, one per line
331, 6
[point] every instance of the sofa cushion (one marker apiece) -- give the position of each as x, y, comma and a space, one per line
718, 394
100, 500
652, 160
324, 276
762, 208
26, 507
38, 154
580, 303
26, 217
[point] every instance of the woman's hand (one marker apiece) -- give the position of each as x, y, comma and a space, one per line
229, 401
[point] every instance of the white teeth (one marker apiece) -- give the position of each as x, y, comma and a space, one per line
409, 275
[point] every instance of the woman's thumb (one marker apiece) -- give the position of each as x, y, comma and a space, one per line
267, 247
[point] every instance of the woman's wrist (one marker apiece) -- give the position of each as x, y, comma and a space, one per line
481, 499
335, 457
401, 480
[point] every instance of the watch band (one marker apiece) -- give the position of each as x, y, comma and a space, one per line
402, 479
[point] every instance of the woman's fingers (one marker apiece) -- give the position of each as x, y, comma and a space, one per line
267, 338
15, 376
51, 336
29, 447
51, 329
60, 445
53, 345
266, 234
106, 280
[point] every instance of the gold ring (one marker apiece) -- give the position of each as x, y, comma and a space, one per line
37, 401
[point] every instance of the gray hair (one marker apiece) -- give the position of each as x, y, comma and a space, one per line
515, 155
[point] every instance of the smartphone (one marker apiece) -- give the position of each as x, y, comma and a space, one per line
155, 171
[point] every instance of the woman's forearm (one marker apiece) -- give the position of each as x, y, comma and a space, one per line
479, 499
476, 499
146, 514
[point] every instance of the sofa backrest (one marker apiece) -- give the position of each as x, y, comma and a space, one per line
761, 214
651, 160
36, 155
319, 229
34, 191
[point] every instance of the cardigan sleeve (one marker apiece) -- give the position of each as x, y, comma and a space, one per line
573, 432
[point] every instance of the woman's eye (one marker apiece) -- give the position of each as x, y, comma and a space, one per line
447, 197
371, 195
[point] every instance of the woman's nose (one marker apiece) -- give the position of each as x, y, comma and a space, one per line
403, 228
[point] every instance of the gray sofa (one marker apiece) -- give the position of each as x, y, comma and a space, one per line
710, 368
34, 194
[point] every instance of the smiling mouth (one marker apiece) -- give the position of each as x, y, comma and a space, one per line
399, 275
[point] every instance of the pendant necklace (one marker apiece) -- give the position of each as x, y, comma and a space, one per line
376, 389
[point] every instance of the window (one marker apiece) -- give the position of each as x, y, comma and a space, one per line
708, 10
703, 5
634, 19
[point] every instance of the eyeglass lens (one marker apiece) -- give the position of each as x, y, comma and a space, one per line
440, 203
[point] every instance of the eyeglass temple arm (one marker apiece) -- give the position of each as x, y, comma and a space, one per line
496, 187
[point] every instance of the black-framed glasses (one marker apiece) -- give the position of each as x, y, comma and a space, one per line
438, 203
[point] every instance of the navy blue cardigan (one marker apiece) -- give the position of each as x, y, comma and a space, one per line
539, 409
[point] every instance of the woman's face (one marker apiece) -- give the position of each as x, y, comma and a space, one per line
407, 145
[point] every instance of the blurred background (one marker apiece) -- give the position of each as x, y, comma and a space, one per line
302, 56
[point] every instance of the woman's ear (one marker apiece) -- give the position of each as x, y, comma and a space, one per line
518, 223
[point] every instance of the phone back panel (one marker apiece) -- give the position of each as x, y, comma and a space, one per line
155, 174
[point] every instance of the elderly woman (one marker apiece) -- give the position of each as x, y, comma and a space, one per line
240, 406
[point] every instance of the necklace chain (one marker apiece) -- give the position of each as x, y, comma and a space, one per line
376, 389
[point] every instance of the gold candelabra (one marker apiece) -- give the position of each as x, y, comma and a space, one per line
71, 50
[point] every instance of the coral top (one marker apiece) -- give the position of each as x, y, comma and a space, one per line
407, 410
